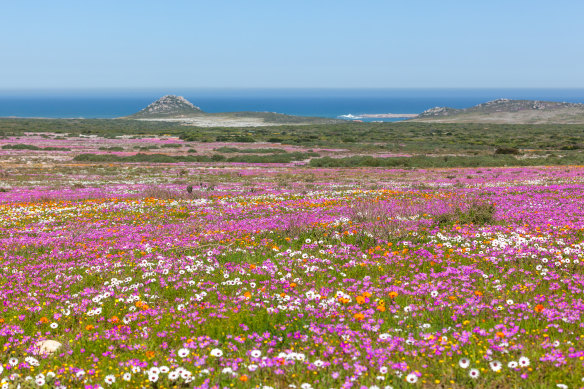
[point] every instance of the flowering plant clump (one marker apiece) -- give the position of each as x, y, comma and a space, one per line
328, 283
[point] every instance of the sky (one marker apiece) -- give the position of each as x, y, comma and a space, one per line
291, 44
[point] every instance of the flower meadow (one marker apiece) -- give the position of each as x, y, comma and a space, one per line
289, 277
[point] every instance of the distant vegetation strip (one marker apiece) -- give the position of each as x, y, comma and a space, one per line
249, 151
22, 146
447, 161
164, 158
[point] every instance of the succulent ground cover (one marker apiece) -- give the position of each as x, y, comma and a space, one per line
286, 276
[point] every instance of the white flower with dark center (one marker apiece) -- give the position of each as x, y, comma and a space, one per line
318, 363
256, 353
216, 352
464, 363
110, 379
383, 370
524, 362
31, 361
434, 293
183, 352
495, 366
164, 369
136, 369
185, 374
152, 377
13, 361
474, 373
54, 325
512, 365
40, 381
412, 378
154, 370
127, 376
252, 367
173, 375
80, 373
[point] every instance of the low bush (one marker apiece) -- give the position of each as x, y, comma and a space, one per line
477, 213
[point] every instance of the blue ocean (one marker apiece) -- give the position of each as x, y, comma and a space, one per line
330, 103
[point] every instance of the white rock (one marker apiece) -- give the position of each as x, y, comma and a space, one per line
47, 347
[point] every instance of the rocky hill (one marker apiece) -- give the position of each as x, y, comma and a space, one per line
178, 109
508, 111
168, 106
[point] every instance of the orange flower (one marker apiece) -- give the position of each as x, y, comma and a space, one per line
538, 308
243, 378
1, 320
293, 285
88, 327
252, 266
478, 293
247, 295
367, 294
392, 295
114, 319
500, 334
150, 354
359, 316
381, 308
360, 300
44, 320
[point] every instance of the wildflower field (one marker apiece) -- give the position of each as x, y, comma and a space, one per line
278, 276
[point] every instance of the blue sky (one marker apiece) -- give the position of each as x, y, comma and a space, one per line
269, 44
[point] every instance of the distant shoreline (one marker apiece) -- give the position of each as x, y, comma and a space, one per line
388, 115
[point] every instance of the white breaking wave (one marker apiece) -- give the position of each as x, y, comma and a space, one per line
349, 116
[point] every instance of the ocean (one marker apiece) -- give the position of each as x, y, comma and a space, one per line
330, 103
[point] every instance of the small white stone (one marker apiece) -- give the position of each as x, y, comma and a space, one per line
47, 347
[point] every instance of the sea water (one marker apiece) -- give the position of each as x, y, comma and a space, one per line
329, 103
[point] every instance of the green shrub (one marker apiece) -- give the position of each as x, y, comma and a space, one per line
477, 213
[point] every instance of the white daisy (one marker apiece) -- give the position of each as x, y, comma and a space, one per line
13, 361
256, 353
512, 365
164, 369
152, 377
110, 379
524, 362
183, 352
412, 378
474, 373
495, 365
216, 352
127, 376
464, 363
54, 325
173, 375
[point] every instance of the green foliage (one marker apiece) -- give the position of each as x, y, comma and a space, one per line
249, 151
477, 213
446, 161
21, 146
112, 148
